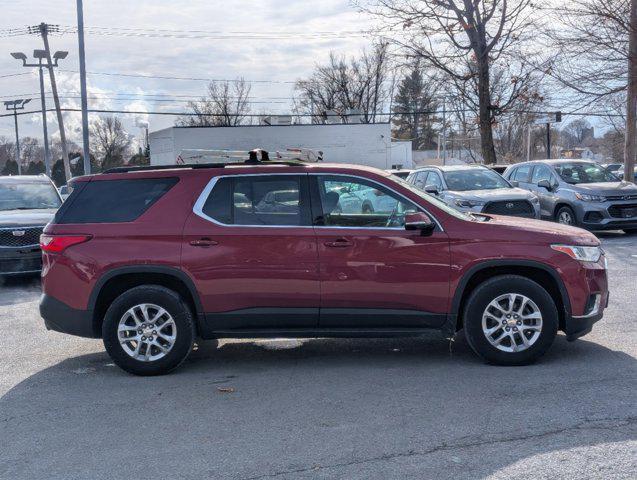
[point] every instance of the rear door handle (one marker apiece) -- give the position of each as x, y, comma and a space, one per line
203, 242
339, 243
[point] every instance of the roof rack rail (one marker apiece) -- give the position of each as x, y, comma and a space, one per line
196, 166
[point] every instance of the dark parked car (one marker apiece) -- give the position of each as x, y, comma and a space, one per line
579, 192
475, 188
150, 259
27, 204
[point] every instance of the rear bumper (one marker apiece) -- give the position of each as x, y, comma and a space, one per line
60, 317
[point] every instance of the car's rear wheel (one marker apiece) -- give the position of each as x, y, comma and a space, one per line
510, 320
566, 216
148, 330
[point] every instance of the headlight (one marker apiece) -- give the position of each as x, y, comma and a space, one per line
590, 198
469, 203
583, 254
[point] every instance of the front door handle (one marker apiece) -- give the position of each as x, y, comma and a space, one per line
203, 242
339, 243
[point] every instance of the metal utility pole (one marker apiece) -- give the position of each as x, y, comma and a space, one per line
444, 131
630, 147
80, 39
44, 31
548, 140
14, 106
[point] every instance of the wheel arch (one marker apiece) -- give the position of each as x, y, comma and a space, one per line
546, 276
115, 282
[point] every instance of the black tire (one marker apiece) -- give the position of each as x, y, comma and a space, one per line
176, 308
566, 212
630, 231
367, 208
492, 289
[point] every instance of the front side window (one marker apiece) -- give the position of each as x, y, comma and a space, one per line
474, 179
435, 180
269, 200
583, 172
28, 196
541, 172
354, 202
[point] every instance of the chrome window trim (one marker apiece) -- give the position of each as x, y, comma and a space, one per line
197, 209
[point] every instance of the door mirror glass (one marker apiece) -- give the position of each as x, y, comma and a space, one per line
515, 183
432, 189
419, 221
545, 184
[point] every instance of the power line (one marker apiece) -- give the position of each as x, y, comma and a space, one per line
165, 77
389, 114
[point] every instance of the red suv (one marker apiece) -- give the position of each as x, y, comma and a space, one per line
151, 258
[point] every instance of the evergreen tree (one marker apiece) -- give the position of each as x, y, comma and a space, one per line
414, 107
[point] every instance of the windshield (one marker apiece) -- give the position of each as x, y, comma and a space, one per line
474, 179
431, 199
27, 196
583, 172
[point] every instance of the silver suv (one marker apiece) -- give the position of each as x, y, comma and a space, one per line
474, 188
579, 192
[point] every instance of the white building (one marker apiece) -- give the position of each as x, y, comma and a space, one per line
364, 144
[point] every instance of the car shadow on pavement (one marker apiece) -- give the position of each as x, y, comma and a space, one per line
14, 289
323, 408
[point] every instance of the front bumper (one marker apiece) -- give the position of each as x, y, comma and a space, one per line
607, 215
60, 317
578, 326
20, 260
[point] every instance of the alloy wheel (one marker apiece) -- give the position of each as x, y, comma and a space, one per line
512, 322
147, 332
565, 218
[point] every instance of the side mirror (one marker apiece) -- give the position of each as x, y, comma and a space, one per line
419, 221
545, 184
432, 189
515, 183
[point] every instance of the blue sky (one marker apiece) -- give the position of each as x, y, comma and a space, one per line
272, 59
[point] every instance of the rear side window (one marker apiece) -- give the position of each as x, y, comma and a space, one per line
522, 173
113, 201
277, 200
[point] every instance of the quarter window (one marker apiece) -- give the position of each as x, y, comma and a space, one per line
277, 200
353, 202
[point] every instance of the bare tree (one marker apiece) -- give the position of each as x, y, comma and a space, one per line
579, 131
110, 143
591, 47
464, 40
225, 105
342, 85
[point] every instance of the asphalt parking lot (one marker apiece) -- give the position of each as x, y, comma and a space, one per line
350, 409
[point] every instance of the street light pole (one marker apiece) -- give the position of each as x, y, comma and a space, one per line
14, 106
80, 38
41, 55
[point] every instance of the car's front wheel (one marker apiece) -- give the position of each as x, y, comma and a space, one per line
148, 330
566, 216
510, 320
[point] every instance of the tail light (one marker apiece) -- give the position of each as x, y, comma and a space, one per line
59, 243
